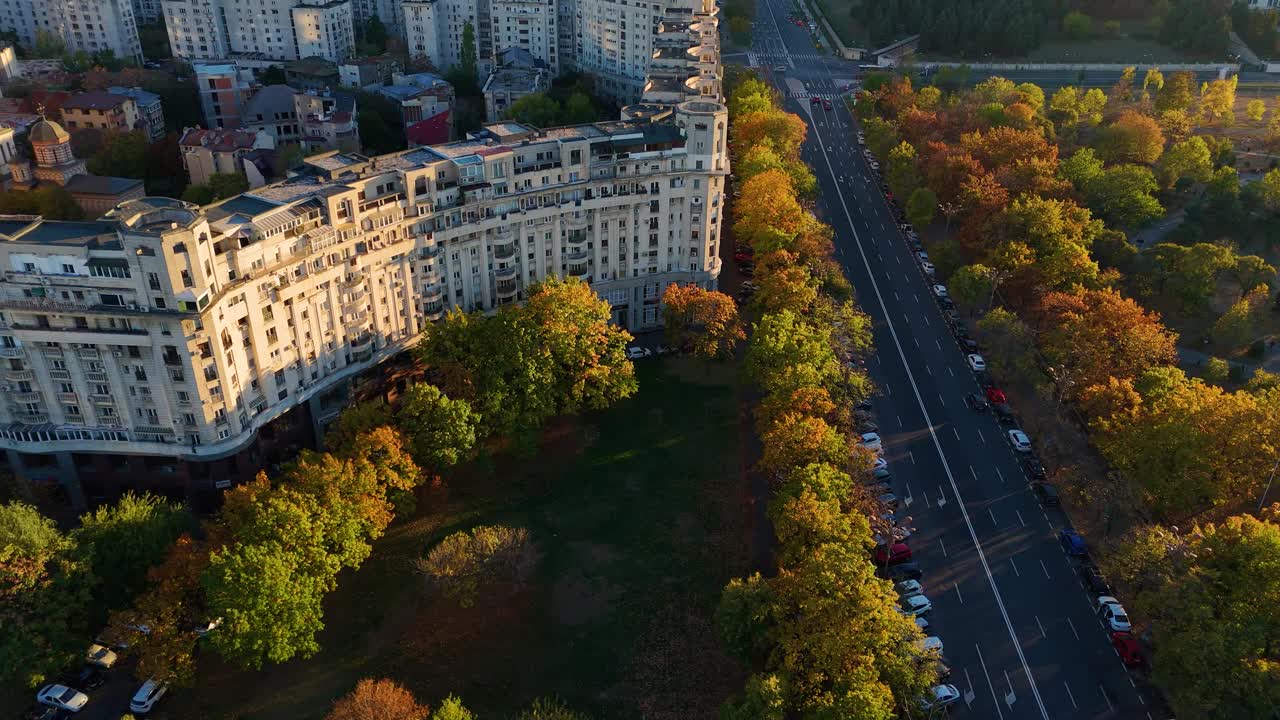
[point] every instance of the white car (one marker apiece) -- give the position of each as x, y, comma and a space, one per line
875, 165
862, 140
976, 362
879, 464
100, 656
1019, 441
927, 268
940, 291
62, 697
208, 627
147, 696
931, 644
907, 588
635, 353
922, 623
871, 441
940, 696
1112, 613
917, 605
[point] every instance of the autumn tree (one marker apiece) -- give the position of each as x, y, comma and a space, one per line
1011, 345
796, 440
462, 562
354, 420
1238, 325
762, 157
1255, 109
768, 213
1218, 100
1072, 107
788, 352
900, 170
1003, 146
784, 284
971, 285
1187, 159
378, 699
1178, 92
1132, 138
1057, 235
706, 321
785, 131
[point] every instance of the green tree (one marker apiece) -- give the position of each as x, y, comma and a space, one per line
451, 708
464, 74
1122, 91
900, 170
462, 562
550, 709
441, 431
922, 205
536, 109
763, 699
1081, 168
787, 352
225, 185
881, 136
198, 194
971, 285
1124, 196
1178, 92
122, 154
375, 34
23, 527
1187, 159
356, 420
273, 75
1216, 370
375, 134
120, 542
744, 616
1218, 100
1011, 346
579, 109
288, 156
1077, 25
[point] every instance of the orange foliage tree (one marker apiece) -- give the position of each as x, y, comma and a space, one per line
706, 321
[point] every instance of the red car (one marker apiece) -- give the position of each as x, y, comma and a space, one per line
898, 553
826, 104
815, 100
743, 257
1127, 648
996, 396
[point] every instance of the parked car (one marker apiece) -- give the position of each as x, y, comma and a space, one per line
930, 644
904, 571
888, 500
917, 605
922, 256
101, 656
882, 474
940, 696
1113, 613
1047, 494
148, 695
1095, 580
62, 697
954, 320
44, 712
996, 396
892, 555
1034, 469
742, 257
84, 678
1004, 414
871, 441
1019, 440
907, 588
1073, 542
976, 402
976, 362
1127, 648
636, 353
940, 291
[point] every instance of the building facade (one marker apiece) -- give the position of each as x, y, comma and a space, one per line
270, 29
102, 110
150, 109
91, 25
206, 152
170, 335
530, 25
224, 90
324, 30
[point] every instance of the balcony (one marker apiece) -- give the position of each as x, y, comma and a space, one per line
16, 375
101, 399
578, 256
96, 377
12, 352
432, 293
69, 398
29, 418
504, 251
581, 271
378, 202
352, 280
353, 297
28, 397
506, 273
364, 355
433, 311
361, 340
88, 354
575, 219
507, 289
111, 421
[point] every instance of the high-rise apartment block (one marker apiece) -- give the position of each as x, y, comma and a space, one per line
83, 25
150, 348
272, 29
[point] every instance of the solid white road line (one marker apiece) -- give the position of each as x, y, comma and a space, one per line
973, 472
943, 546
997, 469
1103, 690
1069, 695
1043, 634
958, 594
992, 687
1046, 571
935, 342
1023, 523
1073, 628
956, 431
1011, 562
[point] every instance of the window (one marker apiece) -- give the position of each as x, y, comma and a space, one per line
109, 271
68, 269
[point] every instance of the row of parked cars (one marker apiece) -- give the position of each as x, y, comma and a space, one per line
894, 558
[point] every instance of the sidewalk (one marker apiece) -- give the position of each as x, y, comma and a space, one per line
1270, 361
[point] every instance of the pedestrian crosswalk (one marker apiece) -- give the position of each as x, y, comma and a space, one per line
822, 95
756, 59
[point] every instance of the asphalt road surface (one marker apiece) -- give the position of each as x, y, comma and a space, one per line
1018, 627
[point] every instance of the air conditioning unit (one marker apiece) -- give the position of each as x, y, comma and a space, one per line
696, 200
117, 353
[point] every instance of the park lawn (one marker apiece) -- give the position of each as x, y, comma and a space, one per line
840, 14
640, 516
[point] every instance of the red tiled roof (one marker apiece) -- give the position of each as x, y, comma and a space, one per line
218, 140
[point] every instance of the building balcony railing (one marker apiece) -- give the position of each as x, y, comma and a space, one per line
353, 296
432, 315
27, 418
352, 280
88, 354
583, 272
378, 202
111, 422
508, 288
505, 251
578, 255
506, 273
432, 293
361, 340
69, 398
28, 397
12, 352
96, 377
505, 232
364, 355
98, 399
16, 375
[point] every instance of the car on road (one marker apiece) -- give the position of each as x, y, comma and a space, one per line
976, 362
879, 463
1073, 542
922, 256
1094, 579
1019, 440
1113, 614
100, 656
893, 555
940, 696
814, 100
940, 291
907, 588
636, 353
44, 712
1047, 494
897, 573
1035, 470
874, 165
881, 475
62, 697
1126, 646
826, 104
931, 644
743, 257
84, 678
916, 605
976, 402
779, 68
1004, 414
927, 268
148, 695
996, 396
871, 441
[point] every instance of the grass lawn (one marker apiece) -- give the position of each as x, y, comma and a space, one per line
640, 517
840, 14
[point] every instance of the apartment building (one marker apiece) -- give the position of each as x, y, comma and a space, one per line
271, 29
153, 347
90, 25
529, 25
102, 110
433, 29
206, 152
150, 109
224, 91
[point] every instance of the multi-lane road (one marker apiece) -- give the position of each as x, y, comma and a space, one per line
1019, 629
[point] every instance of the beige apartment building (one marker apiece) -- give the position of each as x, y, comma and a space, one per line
152, 348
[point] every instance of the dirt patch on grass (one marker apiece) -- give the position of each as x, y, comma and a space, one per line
579, 600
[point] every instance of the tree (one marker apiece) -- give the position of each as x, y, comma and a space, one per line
783, 130
1187, 159
881, 136
1072, 106
1081, 168
225, 185
451, 708
1123, 195
1238, 325
44, 596
535, 109
744, 616
1265, 192
355, 420
768, 214
345, 507
971, 285
704, 320
375, 134
1273, 124
463, 561
120, 542
579, 109
1216, 370
1178, 92
1079, 26
763, 699
273, 75
1056, 234
377, 699
751, 95
123, 154
1218, 100
795, 441
441, 431
1122, 91
900, 170
1188, 274
784, 284
1002, 146
1012, 347
787, 352
921, 207
1133, 138
375, 34
1255, 109
549, 709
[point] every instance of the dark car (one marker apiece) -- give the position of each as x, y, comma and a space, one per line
898, 573
954, 318
1034, 469
969, 345
1094, 580
83, 679
743, 257
975, 401
864, 405
946, 303
1047, 493
815, 100
42, 712
826, 104
1004, 413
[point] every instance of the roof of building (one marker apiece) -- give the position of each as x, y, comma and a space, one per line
247, 205
96, 100
47, 131
528, 80
218, 140
140, 96
518, 57
267, 102
418, 79
369, 60
101, 185
213, 68
62, 232
313, 65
